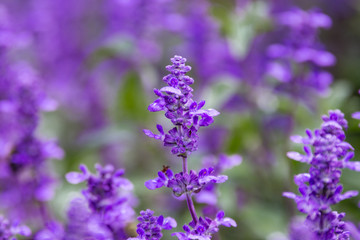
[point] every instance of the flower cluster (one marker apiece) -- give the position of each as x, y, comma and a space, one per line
108, 195
150, 226
185, 182
8, 230
297, 62
205, 227
327, 153
186, 114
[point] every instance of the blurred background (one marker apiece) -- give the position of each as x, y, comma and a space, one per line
99, 61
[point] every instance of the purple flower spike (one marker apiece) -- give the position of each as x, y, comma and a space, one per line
186, 114
327, 153
150, 226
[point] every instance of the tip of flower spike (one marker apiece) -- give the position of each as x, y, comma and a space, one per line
178, 60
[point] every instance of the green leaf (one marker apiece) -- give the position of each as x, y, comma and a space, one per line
131, 102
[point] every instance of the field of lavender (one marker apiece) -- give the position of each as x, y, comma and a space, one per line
179, 119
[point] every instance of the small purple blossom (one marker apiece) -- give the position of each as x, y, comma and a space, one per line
186, 114
150, 226
327, 153
205, 227
182, 182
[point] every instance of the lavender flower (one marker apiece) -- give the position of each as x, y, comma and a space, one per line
327, 153
186, 114
150, 226
108, 195
9, 230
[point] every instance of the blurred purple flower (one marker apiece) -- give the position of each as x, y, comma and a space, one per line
108, 195
204, 43
298, 230
353, 229
84, 224
297, 62
23, 156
